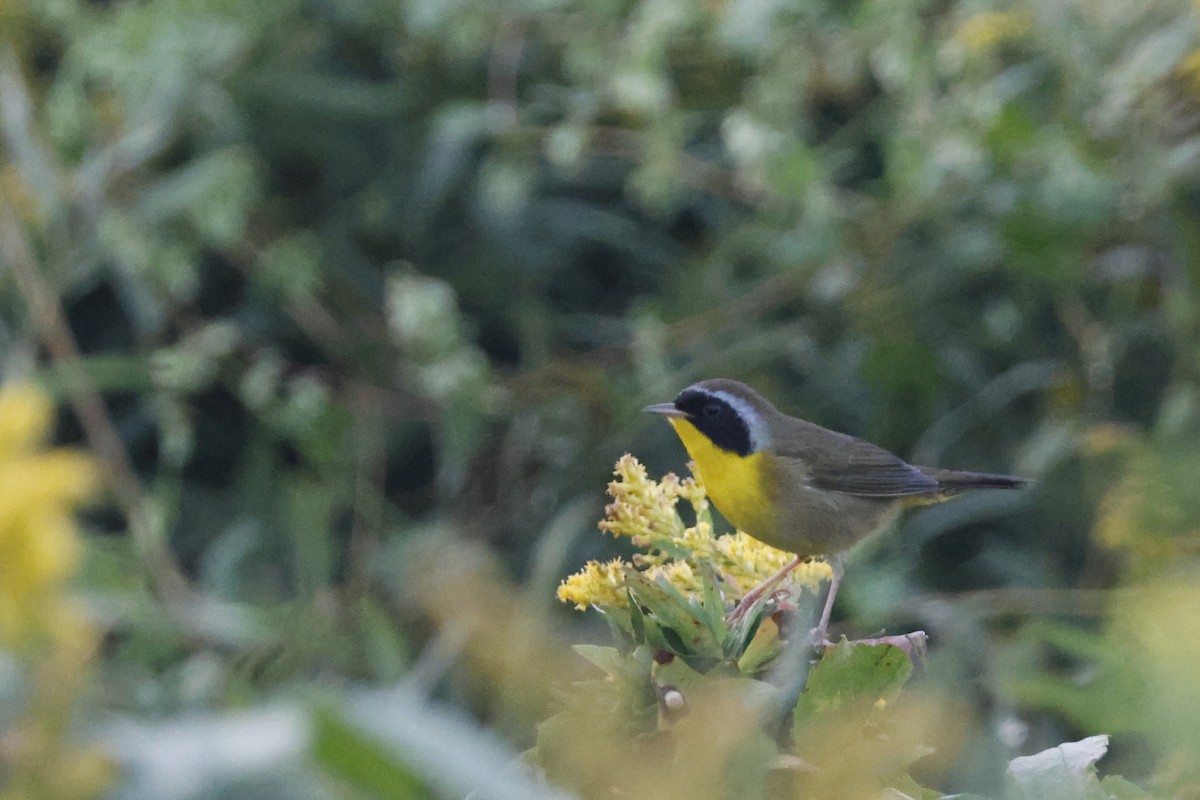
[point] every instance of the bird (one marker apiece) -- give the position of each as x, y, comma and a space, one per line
797, 486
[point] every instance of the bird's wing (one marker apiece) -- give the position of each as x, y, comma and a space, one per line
836, 462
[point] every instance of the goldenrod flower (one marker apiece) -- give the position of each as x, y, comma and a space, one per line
38, 492
596, 585
24, 420
750, 562
645, 511
679, 574
41, 624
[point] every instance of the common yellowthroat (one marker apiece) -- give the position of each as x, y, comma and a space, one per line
795, 485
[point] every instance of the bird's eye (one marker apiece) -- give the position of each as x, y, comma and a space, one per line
712, 409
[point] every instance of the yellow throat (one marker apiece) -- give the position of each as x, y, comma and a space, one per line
739, 486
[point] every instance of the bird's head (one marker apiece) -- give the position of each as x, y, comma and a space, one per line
730, 414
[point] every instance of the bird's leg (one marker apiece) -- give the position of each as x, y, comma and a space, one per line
817, 635
768, 585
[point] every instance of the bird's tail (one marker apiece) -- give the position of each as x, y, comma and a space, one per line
952, 481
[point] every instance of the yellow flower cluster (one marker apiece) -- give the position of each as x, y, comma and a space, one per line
645, 511
597, 584
38, 492
745, 560
41, 624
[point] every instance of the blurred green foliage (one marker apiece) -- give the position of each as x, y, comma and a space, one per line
372, 292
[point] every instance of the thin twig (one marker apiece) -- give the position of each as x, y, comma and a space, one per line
55, 334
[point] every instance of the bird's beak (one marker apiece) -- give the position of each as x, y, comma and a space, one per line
666, 409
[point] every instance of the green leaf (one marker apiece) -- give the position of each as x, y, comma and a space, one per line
677, 674
652, 635
684, 625
762, 648
712, 604
620, 626
1066, 772
360, 760
637, 620
608, 659
746, 773
853, 673
745, 630
1120, 789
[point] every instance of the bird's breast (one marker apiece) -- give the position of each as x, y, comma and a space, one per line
739, 486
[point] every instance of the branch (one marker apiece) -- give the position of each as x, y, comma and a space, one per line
52, 330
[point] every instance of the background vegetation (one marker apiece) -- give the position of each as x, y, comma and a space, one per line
355, 304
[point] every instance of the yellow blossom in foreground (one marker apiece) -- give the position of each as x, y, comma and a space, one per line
24, 420
38, 492
679, 574
596, 584
645, 511
42, 626
750, 562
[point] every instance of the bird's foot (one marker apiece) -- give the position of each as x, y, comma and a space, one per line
757, 593
817, 638
737, 613
743, 607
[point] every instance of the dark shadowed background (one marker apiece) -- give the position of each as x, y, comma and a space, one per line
373, 293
